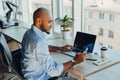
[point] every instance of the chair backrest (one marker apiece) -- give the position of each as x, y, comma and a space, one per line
11, 60
5, 49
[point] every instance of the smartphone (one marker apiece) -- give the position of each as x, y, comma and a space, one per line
86, 49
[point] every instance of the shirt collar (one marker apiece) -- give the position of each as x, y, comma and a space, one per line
38, 31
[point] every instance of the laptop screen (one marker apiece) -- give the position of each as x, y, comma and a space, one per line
84, 40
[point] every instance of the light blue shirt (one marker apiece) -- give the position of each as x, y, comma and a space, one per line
36, 61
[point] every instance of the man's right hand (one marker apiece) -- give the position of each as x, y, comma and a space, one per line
79, 57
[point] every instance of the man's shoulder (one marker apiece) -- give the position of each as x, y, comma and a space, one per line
31, 35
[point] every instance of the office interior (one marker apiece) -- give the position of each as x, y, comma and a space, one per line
95, 17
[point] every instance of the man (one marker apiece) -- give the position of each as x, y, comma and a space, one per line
36, 62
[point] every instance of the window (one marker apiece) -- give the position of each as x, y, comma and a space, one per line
11, 9
2, 12
100, 32
116, 1
101, 44
109, 46
111, 17
60, 9
90, 15
101, 16
88, 18
90, 29
110, 34
105, 20
34, 4
67, 8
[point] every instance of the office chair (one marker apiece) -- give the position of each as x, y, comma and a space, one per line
11, 60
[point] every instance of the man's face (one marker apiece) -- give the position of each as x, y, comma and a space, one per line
46, 24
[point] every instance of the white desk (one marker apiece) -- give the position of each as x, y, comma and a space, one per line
86, 68
80, 71
15, 32
111, 73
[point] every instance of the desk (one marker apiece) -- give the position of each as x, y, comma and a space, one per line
15, 32
111, 73
87, 68
80, 71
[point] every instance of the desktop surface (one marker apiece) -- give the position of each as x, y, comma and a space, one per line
86, 68
111, 73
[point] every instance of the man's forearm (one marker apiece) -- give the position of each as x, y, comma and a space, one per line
67, 65
54, 48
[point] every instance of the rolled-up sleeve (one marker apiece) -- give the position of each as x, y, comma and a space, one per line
46, 61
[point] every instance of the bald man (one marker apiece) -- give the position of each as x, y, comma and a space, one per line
36, 61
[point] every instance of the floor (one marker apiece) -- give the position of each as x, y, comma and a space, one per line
5, 74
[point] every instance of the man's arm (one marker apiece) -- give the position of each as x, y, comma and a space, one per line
63, 48
54, 48
78, 59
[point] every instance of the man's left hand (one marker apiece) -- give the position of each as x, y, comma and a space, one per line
67, 48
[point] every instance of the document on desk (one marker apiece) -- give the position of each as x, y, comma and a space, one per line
102, 61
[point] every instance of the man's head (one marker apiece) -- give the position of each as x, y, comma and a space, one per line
42, 20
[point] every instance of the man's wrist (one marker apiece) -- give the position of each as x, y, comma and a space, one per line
73, 62
60, 49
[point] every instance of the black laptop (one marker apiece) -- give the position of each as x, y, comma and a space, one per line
82, 42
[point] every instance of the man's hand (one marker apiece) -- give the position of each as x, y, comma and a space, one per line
67, 48
63, 48
79, 57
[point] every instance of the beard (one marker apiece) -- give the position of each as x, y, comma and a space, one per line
44, 29
48, 32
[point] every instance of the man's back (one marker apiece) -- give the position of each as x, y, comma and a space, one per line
36, 61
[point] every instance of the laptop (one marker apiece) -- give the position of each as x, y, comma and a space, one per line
82, 42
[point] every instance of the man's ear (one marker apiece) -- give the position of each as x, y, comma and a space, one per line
39, 21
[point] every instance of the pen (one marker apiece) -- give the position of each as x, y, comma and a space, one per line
91, 59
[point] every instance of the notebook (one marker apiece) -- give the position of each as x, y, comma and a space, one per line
82, 42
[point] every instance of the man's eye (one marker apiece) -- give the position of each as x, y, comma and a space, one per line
49, 21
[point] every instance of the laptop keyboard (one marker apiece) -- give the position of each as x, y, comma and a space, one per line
70, 53
73, 52
77, 50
